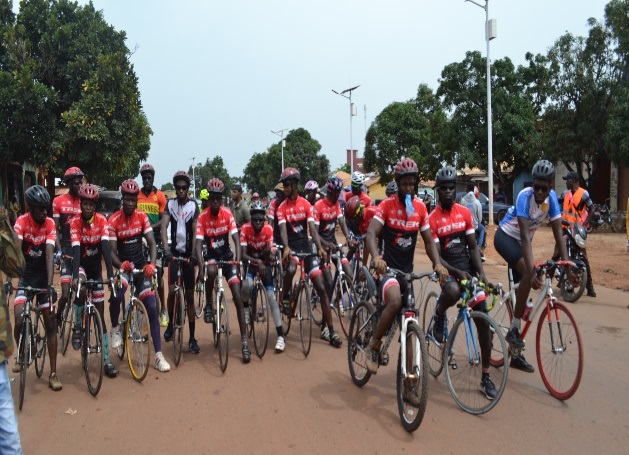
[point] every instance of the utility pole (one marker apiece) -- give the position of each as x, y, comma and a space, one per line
280, 133
194, 182
351, 114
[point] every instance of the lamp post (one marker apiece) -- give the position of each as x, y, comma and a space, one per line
194, 182
490, 33
351, 114
280, 133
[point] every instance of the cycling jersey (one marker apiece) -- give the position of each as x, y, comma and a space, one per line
367, 216
364, 199
65, 207
216, 230
181, 219
152, 205
127, 231
326, 215
526, 207
89, 237
34, 239
256, 243
449, 229
296, 214
399, 231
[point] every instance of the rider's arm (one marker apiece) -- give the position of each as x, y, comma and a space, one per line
375, 228
150, 239
58, 228
76, 261
344, 229
50, 256
163, 228
314, 234
198, 251
236, 240
107, 257
115, 261
283, 234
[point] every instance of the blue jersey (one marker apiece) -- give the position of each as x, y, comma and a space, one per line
526, 207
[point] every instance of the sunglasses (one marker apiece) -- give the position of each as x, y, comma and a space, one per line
447, 187
257, 220
542, 188
179, 187
215, 197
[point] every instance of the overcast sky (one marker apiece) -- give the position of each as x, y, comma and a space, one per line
216, 77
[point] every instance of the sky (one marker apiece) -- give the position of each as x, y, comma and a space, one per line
216, 77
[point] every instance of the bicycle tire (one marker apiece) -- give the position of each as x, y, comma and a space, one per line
561, 371
573, 294
92, 352
67, 322
361, 330
25, 348
502, 314
346, 303
316, 312
434, 349
41, 340
463, 375
260, 320
416, 384
287, 317
179, 317
199, 300
138, 340
122, 325
223, 333
304, 316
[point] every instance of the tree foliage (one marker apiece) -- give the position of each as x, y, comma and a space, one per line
214, 168
168, 186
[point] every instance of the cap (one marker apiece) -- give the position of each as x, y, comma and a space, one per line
237, 187
571, 175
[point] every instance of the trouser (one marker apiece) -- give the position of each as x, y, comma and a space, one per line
480, 235
9, 436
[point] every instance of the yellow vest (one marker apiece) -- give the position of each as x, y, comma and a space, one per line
570, 211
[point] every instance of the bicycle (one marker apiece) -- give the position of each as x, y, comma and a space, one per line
199, 294
559, 349
179, 311
67, 317
258, 325
343, 294
300, 306
31, 346
460, 353
412, 375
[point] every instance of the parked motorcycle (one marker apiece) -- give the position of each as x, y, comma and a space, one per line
575, 238
602, 215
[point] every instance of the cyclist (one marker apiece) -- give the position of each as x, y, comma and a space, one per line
126, 229
356, 212
295, 218
256, 246
327, 214
471, 202
239, 207
255, 197
452, 228
513, 241
181, 213
36, 237
214, 227
64, 208
204, 195
275, 203
358, 179
153, 202
399, 220
310, 191
391, 188
90, 244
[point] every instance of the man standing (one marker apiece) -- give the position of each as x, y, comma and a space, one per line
239, 207
470, 202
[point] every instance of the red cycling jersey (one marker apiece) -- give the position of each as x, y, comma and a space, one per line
34, 239
216, 230
89, 237
367, 216
364, 199
65, 207
127, 231
326, 215
296, 214
256, 243
449, 228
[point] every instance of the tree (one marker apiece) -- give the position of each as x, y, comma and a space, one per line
409, 129
346, 167
214, 168
168, 186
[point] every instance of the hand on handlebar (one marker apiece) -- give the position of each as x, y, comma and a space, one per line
442, 273
285, 253
127, 266
149, 270
380, 265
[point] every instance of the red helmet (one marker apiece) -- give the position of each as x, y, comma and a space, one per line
89, 192
146, 167
215, 186
181, 175
353, 207
405, 167
72, 173
129, 187
290, 173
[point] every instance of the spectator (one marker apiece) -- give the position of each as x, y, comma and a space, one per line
239, 207
500, 196
470, 202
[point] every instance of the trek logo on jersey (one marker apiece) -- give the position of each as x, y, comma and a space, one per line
408, 224
221, 230
457, 225
129, 232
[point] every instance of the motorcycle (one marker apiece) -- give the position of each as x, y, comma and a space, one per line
575, 238
602, 215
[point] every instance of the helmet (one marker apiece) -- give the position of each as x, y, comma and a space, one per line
215, 186
352, 207
391, 188
254, 195
72, 173
37, 196
89, 192
446, 174
405, 167
290, 173
146, 167
180, 175
257, 207
335, 183
580, 235
204, 195
543, 169
129, 187
311, 185
358, 178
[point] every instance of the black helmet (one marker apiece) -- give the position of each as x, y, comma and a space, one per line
37, 196
446, 174
391, 188
257, 207
543, 169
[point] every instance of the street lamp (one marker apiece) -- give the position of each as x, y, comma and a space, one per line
351, 114
490, 33
194, 182
280, 133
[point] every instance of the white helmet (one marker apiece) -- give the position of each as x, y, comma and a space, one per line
358, 178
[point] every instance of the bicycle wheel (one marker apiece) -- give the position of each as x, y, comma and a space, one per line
464, 371
92, 351
199, 299
346, 303
67, 322
24, 355
40, 339
287, 312
361, 330
435, 349
502, 314
559, 351
412, 390
304, 317
315, 305
572, 292
179, 316
138, 340
222, 339
260, 320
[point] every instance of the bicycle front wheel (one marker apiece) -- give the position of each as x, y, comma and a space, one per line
260, 320
39, 335
361, 330
502, 314
287, 311
346, 302
138, 340
92, 351
199, 300
464, 368
316, 313
435, 349
412, 388
67, 322
24, 355
122, 326
179, 316
222, 338
305, 319
559, 351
